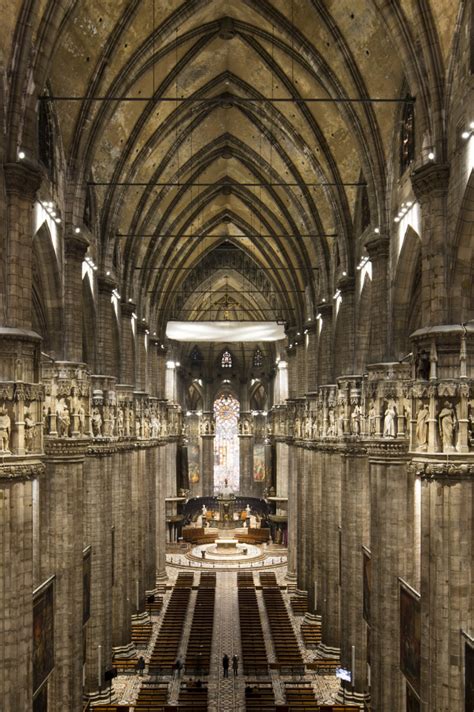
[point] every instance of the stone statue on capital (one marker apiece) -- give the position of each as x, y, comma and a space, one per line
5, 429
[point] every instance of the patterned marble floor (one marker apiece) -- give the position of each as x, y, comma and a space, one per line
227, 694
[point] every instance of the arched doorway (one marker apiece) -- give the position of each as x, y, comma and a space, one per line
226, 443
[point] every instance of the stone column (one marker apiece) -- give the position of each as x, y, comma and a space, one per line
151, 466
246, 464
315, 588
138, 533
16, 589
447, 566
325, 366
282, 468
207, 470
105, 333
21, 183
75, 248
301, 476
312, 338
142, 356
292, 515
354, 534
98, 535
391, 546
61, 511
160, 484
127, 351
378, 250
122, 462
430, 184
330, 545
344, 346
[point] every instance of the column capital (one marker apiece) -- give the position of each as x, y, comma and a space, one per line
346, 284
76, 246
22, 179
127, 308
378, 247
106, 284
430, 180
325, 309
14, 470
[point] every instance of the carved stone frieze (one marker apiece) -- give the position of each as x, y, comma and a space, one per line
442, 470
18, 470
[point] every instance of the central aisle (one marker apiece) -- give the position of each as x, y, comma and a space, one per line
226, 693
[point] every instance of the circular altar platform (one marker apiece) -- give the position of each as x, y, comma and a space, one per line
227, 553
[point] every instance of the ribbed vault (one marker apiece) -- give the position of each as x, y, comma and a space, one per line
248, 123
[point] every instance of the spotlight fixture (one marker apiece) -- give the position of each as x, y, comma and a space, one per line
21, 155
431, 156
77, 230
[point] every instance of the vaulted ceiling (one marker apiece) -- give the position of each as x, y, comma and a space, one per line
210, 123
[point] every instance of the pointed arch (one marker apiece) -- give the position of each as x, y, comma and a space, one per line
406, 291
48, 316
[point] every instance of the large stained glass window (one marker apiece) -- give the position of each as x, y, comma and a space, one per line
226, 443
226, 359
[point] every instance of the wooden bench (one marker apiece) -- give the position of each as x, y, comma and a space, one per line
198, 653
165, 650
286, 646
254, 536
141, 633
311, 634
324, 666
299, 604
254, 656
198, 535
125, 664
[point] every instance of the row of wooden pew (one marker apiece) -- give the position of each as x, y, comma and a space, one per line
165, 651
254, 655
198, 535
286, 646
255, 536
299, 604
198, 653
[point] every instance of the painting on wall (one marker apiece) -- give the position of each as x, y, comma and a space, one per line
413, 703
410, 635
259, 470
43, 633
194, 463
469, 675
86, 584
366, 583
40, 701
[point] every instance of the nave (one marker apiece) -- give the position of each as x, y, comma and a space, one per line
251, 613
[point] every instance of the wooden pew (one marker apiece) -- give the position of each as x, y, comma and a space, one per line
299, 604
311, 634
324, 666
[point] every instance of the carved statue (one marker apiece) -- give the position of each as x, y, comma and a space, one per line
5, 429
30, 429
96, 423
372, 419
155, 426
340, 421
389, 420
422, 427
138, 427
332, 423
64, 422
355, 419
120, 423
146, 428
82, 419
447, 422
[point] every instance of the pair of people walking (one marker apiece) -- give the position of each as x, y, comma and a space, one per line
226, 663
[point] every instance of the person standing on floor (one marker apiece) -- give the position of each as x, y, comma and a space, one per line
140, 665
235, 665
225, 665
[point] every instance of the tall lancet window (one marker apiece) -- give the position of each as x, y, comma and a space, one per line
226, 359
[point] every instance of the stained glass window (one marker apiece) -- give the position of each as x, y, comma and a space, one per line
407, 136
226, 443
257, 359
196, 355
226, 359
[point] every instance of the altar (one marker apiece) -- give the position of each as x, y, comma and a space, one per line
226, 504
226, 546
